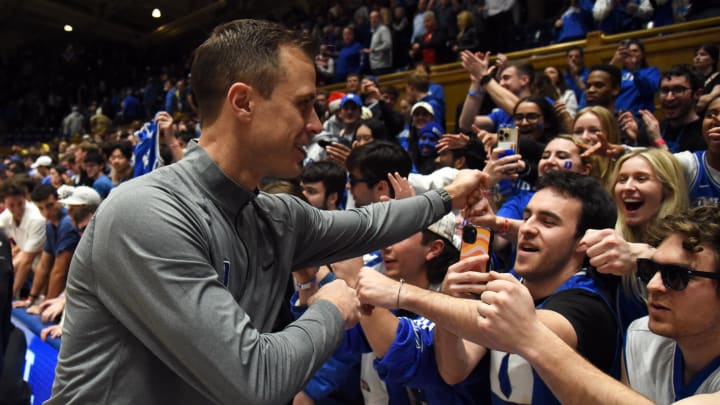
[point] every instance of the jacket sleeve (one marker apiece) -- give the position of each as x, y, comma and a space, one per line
170, 291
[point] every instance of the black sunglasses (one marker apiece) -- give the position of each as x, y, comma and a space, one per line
674, 277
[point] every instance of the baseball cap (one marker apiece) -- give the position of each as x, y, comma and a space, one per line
445, 228
432, 128
351, 97
82, 195
424, 105
43, 160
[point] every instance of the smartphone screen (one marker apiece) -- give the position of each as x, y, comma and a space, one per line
476, 241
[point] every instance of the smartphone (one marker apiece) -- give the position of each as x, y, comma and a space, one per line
508, 142
476, 240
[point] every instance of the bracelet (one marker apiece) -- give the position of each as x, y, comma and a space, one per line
32, 295
486, 79
473, 93
505, 228
305, 286
659, 142
397, 303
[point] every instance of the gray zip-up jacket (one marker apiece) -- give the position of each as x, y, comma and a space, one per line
180, 276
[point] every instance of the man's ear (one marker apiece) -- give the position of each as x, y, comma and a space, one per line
382, 188
615, 92
459, 163
436, 247
332, 199
239, 98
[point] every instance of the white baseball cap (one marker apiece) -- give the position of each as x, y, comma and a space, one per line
82, 195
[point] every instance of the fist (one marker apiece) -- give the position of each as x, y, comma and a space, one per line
343, 297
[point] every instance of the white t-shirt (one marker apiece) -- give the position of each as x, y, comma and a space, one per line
29, 235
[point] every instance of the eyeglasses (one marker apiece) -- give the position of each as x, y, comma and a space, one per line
673, 276
676, 90
354, 180
531, 117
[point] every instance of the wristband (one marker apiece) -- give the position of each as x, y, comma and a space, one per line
473, 93
305, 286
506, 227
486, 79
659, 142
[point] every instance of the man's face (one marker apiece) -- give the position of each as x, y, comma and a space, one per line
374, 19
511, 80
406, 259
49, 208
676, 97
93, 169
421, 117
285, 122
322, 101
314, 192
693, 312
444, 159
352, 84
546, 240
83, 224
350, 113
599, 89
427, 142
43, 170
348, 36
710, 124
574, 57
389, 99
16, 205
429, 22
363, 190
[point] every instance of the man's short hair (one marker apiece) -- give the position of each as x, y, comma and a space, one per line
378, 158
598, 208
26, 181
697, 226
523, 69
575, 48
613, 71
94, 156
419, 81
438, 265
331, 174
11, 188
81, 212
245, 51
687, 71
42, 192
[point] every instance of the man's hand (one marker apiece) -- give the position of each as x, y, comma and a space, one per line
461, 281
338, 153
51, 309
481, 214
506, 167
475, 63
508, 319
467, 188
54, 331
343, 297
400, 185
652, 125
377, 289
608, 252
165, 124
452, 141
628, 124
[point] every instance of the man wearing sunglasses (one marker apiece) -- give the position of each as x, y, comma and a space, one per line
671, 355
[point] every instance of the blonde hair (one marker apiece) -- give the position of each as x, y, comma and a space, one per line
602, 167
675, 201
466, 20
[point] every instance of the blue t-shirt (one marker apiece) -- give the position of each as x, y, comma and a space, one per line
637, 90
103, 185
501, 119
62, 238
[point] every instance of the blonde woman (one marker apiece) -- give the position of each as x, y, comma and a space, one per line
593, 124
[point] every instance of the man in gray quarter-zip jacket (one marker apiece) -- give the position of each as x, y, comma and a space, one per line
175, 287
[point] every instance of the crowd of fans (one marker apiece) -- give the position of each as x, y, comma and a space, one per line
517, 125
